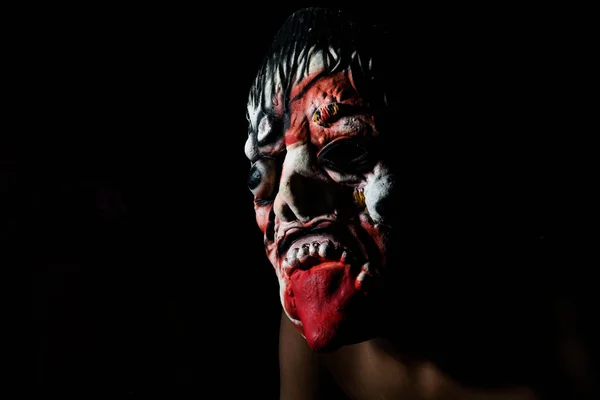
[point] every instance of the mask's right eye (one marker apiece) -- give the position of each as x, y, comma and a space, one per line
262, 179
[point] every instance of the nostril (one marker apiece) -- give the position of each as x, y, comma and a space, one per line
287, 213
297, 187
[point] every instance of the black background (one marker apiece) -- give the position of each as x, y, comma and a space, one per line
127, 196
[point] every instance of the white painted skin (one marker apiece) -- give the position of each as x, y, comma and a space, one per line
251, 147
376, 184
377, 190
265, 127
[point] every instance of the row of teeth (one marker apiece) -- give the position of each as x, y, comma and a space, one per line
326, 249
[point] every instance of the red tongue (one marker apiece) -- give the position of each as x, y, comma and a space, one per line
320, 294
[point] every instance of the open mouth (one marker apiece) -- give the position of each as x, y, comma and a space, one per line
316, 251
320, 246
327, 250
325, 270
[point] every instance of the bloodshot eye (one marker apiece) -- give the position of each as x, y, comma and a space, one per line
262, 179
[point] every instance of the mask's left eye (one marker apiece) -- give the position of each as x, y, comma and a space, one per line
262, 179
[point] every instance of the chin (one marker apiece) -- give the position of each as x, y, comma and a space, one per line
341, 338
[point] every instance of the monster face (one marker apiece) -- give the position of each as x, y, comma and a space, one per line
319, 183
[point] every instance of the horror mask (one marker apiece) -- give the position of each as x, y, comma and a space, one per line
321, 183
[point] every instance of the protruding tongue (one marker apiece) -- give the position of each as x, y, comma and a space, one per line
321, 294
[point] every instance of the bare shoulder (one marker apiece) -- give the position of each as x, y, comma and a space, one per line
365, 371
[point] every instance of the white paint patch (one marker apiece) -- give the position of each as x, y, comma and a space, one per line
298, 159
265, 127
377, 189
250, 147
253, 110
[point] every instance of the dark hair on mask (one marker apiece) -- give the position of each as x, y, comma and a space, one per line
345, 40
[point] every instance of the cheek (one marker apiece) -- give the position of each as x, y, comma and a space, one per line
262, 217
378, 193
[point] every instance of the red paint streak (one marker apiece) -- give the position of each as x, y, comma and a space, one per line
262, 217
299, 130
326, 90
378, 238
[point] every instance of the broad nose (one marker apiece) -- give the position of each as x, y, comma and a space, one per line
305, 191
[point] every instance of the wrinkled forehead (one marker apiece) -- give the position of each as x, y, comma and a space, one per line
266, 106
269, 97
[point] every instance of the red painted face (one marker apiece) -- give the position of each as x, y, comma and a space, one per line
317, 182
